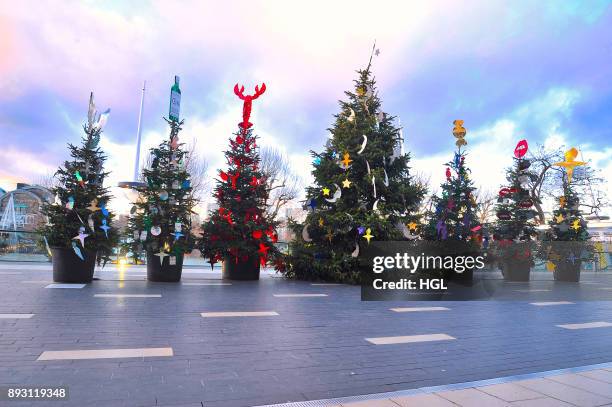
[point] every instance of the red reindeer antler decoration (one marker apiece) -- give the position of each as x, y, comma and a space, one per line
248, 103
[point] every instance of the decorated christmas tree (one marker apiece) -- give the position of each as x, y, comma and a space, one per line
239, 232
160, 219
363, 190
515, 225
79, 219
565, 240
455, 211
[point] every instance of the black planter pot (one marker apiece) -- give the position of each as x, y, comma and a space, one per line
164, 272
566, 271
516, 270
69, 268
248, 270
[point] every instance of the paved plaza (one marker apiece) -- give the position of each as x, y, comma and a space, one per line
122, 341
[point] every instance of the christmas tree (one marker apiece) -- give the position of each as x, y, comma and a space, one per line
566, 237
160, 220
515, 225
363, 190
240, 232
455, 211
79, 218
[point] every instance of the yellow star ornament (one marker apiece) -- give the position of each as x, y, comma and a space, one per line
412, 226
550, 266
368, 235
321, 222
576, 225
325, 191
346, 183
559, 218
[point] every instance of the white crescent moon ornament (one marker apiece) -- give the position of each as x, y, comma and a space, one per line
368, 165
363, 144
355, 252
351, 117
305, 234
337, 195
375, 206
386, 178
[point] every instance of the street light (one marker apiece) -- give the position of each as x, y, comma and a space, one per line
135, 184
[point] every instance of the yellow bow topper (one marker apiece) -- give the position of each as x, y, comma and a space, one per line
569, 163
459, 132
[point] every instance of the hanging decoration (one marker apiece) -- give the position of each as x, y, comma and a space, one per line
570, 163
363, 144
521, 149
337, 194
459, 132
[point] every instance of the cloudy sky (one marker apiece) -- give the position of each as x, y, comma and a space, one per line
539, 70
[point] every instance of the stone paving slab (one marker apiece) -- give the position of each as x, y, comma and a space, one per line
315, 347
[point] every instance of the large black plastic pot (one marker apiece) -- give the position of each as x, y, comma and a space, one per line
163, 271
69, 268
566, 271
241, 270
514, 270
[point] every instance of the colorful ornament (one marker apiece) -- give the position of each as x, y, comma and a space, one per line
77, 250
559, 218
337, 195
70, 203
163, 195
550, 266
521, 149
346, 183
105, 227
326, 191
81, 236
576, 225
569, 164
368, 235
156, 230
459, 132
361, 230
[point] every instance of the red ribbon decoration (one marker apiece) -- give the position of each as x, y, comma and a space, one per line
248, 103
234, 179
521, 149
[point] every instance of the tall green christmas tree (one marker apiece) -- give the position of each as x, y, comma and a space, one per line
239, 231
516, 224
160, 219
566, 237
79, 219
363, 190
455, 211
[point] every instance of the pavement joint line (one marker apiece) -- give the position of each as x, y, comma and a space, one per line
206, 283
104, 353
16, 316
444, 387
57, 285
586, 325
298, 295
418, 309
325, 284
37, 282
223, 314
550, 303
534, 290
392, 340
127, 295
